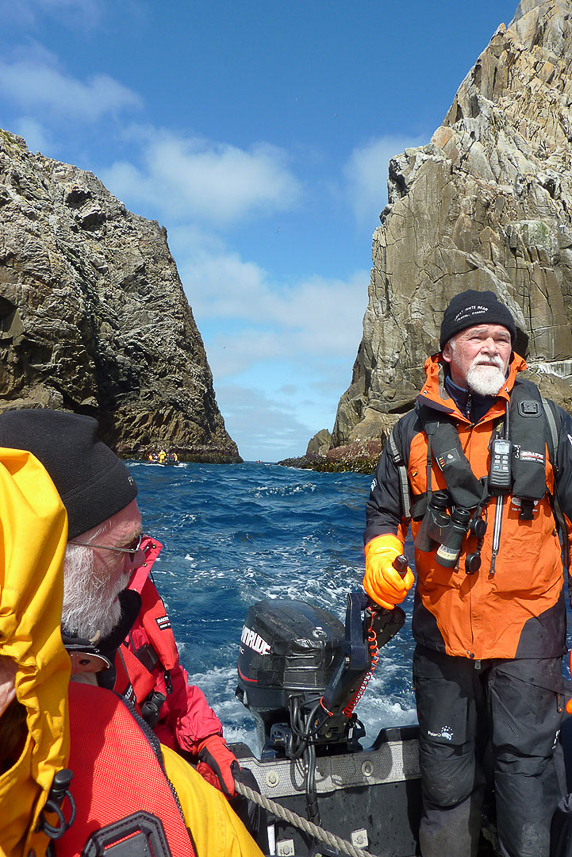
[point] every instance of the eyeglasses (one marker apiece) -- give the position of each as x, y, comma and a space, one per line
136, 555
135, 545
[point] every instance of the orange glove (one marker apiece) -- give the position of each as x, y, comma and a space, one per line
569, 703
381, 580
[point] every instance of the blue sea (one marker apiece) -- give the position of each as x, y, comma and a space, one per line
241, 533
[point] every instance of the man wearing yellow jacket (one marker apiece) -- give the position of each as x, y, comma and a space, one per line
478, 469
35, 711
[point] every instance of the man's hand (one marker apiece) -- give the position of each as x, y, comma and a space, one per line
382, 582
218, 765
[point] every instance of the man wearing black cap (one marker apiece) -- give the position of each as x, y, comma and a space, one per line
120, 790
108, 593
482, 470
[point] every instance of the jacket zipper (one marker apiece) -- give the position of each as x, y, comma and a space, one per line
497, 531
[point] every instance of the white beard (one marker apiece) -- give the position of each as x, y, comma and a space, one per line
485, 379
90, 601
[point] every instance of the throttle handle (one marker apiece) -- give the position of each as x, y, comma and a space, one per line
400, 564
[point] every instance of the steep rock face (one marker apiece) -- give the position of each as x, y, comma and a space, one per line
486, 205
93, 317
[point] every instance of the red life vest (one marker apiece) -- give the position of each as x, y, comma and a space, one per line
155, 619
131, 670
116, 775
148, 670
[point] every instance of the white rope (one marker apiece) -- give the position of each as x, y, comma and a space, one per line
302, 823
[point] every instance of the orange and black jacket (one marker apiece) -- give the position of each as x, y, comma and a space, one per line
513, 607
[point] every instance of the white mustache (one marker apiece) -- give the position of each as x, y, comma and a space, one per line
495, 360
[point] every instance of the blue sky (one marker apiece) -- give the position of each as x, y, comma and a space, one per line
259, 134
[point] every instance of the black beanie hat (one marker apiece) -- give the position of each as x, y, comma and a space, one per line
92, 481
472, 307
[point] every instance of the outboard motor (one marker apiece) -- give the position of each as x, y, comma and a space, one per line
301, 672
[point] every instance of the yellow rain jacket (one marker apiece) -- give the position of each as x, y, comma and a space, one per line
33, 535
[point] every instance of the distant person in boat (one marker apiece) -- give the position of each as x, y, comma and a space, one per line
489, 614
162, 456
112, 613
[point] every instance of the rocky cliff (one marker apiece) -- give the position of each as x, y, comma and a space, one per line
487, 204
93, 317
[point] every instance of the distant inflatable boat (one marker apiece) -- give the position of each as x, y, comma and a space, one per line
163, 458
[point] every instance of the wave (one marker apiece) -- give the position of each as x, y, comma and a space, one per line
237, 534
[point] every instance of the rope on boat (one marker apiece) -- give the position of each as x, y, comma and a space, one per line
297, 820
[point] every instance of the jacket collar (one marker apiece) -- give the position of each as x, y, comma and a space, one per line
435, 395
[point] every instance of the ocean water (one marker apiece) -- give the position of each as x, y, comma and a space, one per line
237, 534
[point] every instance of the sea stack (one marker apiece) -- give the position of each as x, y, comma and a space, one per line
93, 316
487, 204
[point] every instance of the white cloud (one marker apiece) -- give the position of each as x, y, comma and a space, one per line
221, 285
326, 309
34, 134
231, 354
366, 174
313, 317
190, 177
38, 85
262, 428
281, 357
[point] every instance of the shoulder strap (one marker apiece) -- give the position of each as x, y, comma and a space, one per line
527, 431
550, 412
158, 625
118, 773
444, 444
397, 459
552, 433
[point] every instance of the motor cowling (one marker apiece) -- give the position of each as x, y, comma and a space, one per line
288, 649
301, 671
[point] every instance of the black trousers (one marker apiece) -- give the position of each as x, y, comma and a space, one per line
495, 722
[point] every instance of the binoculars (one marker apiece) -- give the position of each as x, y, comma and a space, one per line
446, 531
